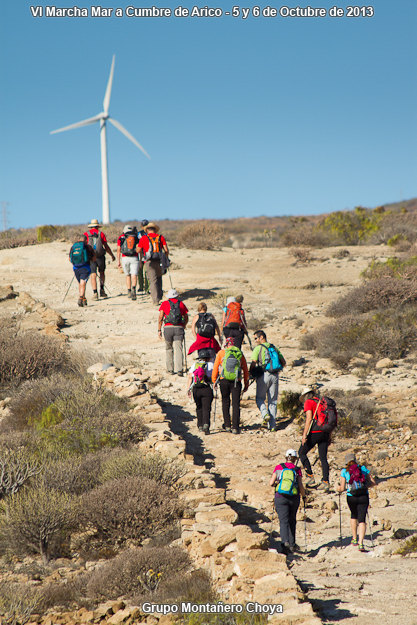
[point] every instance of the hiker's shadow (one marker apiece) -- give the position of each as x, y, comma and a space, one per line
248, 514
178, 418
327, 608
392, 477
199, 294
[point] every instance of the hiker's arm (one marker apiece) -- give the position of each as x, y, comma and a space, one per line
301, 486
108, 250
309, 418
342, 485
215, 369
165, 247
245, 374
223, 318
219, 334
118, 256
282, 359
160, 320
273, 479
185, 317
189, 384
194, 321
371, 481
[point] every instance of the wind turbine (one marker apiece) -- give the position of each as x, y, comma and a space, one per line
103, 118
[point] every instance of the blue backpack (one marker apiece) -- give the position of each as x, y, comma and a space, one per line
78, 254
272, 360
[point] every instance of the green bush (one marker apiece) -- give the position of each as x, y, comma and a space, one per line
353, 227
88, 400
129, 508
37, 520
289, 405
134, 464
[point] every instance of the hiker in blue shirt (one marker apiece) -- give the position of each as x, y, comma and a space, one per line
266, 363
80, 255
357, 479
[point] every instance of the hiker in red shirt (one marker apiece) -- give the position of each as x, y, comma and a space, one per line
174, 315
154, 251
98, 242
128, 257
312, 436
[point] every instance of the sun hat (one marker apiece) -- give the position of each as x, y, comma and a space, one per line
291, 452
239, 299
306, 389
172, 293
151, 225
94, 224
230, 300
127, 228
350, 458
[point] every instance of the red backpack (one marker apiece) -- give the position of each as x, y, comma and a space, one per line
325, 414
234, 314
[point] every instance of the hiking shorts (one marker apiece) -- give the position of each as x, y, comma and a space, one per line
100, 264
82, 273
130, 265
358, 507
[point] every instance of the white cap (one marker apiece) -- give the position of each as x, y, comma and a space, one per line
230, 300
127, 228
291, 452
172, 293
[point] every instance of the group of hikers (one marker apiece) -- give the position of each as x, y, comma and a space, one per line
144, 257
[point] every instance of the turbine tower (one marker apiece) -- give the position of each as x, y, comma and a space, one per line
103, 118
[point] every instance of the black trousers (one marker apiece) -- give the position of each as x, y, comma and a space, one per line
203, 397
237, 334
286, 507
321, 439
358, 507
227, 389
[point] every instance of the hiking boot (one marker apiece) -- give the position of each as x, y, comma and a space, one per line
200, 429
265, 421
354, 542
206, 429
102, 292
180, 373
95, 296
310, 481
129, 293
287, 548
133, 294
235, 431
324, 486
362, 548
226, 429
80, 302
84, 301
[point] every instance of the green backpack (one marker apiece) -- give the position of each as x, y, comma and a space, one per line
232, 369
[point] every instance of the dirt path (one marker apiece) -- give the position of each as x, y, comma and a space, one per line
345, 585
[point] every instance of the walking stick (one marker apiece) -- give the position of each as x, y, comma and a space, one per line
169, 276
305, 525
340, 518
215, 403
185, 353
370, 527
68, 288
272, 519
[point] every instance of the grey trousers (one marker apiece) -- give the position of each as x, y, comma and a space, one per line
153, 271
174, 338
267, 387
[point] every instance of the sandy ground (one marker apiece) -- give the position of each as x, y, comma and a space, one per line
346, 586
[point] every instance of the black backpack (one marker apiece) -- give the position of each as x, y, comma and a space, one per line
129, 243
175, 314
206, 325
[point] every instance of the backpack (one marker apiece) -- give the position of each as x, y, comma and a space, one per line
231, 367
233, 316
154, 252
175, 315
206, 325
206, 352
357, 481
129, 243
272, 359
287, 484
78, 254
325, 414
96, 243
200, 377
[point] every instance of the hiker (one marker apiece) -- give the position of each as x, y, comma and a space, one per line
199, 383
229, 365
174, 315
81, 255
98, 242
153, 247
127, 245
357, 479
267, 362
204, 327
288, 482
314, 434
233, 321
143, 278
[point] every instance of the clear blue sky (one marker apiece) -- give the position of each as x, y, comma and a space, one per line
273, 116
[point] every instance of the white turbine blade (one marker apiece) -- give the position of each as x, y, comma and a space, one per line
106, 101
84, 122
127, 134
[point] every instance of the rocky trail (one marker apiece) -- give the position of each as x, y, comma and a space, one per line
343, 584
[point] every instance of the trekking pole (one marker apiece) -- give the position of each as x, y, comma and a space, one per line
272, 520
169, 276
305, 525
340, 518
215, 403
68, 288
370, 523
185, 353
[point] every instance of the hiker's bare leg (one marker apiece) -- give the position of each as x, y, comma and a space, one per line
128, 282
101, 278
354, 528
134, 280
94, 281
361, 532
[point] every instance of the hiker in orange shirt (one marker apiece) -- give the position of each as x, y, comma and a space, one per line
229, 365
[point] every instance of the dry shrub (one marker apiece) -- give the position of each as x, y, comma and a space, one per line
375, 294
17, 467
410, 546
355, 412
88, 400
301, 255
343, 253
18, 602
298, 232
29, 356
37, 520
137, 572
203, 235
133, 463
387, 333
129, 508
74, 475
65, 595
